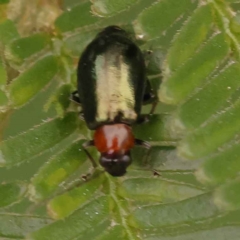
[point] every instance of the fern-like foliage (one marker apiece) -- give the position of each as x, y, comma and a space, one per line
186, 187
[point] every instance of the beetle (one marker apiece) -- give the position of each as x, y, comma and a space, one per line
111, 87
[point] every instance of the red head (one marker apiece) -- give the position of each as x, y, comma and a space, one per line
114, 143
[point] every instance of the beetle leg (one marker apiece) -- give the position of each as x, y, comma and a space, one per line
141, 119
150, 97
75, 97
147, 55
146, 145
142, 143
154, 105
85, 146
145, 117
156, 173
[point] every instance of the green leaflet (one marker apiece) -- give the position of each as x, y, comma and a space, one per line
78, 224
29, 83
116, 232
108, 7
209, 99
223, 128
55, 171
220, 233
60, 99
77, 42
219, 168
78, 16
156, 19
16, 226
160, 215
227, 196
22, 48
155, 129
29, 144
156, 190
11, 193
8, 32
4, 1
194, 47
191, 36
63, 205
193, 74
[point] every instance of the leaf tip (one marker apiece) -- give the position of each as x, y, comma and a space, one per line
51, 212
185, 151
33, 195
227, 197
177, 127
164, 95
139, 32
219, 201
201, 176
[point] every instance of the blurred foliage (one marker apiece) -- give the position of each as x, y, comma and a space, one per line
186, 187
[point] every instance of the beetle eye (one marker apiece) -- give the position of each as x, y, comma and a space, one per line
116, 166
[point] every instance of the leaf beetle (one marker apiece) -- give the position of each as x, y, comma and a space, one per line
111, 87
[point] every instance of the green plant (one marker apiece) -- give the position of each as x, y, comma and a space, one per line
194, 132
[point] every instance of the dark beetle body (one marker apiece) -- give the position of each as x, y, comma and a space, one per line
111, 88
111, 79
